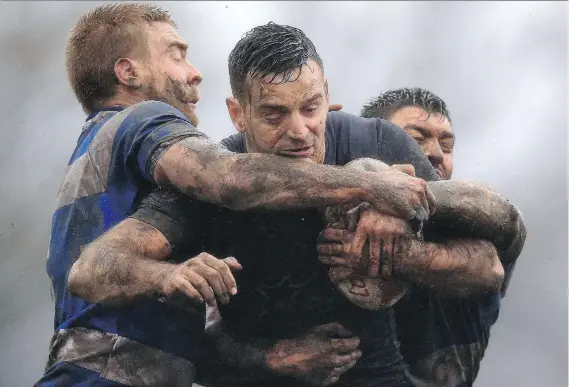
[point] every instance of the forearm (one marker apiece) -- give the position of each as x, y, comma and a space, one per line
117, 268
236, 357
247, 181
105, 274
460, 267
468, 209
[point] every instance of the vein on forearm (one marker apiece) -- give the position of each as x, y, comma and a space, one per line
458, 267
468, 209
246, 181
120, 266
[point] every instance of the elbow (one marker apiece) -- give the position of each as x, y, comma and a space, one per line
78, 283
495, 277
513, 235
75, 281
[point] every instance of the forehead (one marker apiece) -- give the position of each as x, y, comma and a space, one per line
164, 34
411, 116
302, 84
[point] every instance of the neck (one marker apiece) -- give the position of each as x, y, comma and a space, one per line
123, 99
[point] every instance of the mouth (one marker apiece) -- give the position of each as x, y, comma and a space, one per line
439, 172
192, 104
304, 152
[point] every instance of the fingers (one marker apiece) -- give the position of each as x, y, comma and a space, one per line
345, 344
233, 264
432, 200
226, 280
357, 245
374, 255
334, 107
334, 235
353, 216
333, 260
344, 359
183, 285
338, 371
387, 252
201, 285
331, 249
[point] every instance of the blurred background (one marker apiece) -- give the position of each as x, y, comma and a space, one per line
500, 66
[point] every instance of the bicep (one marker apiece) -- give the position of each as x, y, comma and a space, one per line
189, 163
173, 215
138, 238
147, 132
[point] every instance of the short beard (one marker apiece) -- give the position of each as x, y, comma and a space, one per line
174, 94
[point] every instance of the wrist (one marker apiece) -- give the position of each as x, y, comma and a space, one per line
409, 253
275, 358
368, 186
160, 283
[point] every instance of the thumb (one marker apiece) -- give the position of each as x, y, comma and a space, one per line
233, 264
405, 168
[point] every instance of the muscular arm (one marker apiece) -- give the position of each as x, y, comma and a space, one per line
457, 258
235, 357
318, 356
125, 263
469, 209
205, 170
128, 261
459, 267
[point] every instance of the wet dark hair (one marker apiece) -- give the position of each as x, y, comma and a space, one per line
269, 49
391, 101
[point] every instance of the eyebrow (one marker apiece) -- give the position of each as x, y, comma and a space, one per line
181, 45
425, 133
271, 106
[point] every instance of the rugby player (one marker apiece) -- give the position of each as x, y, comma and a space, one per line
280, 106
128, 68
443, 339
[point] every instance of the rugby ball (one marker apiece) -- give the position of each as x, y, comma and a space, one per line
368, 293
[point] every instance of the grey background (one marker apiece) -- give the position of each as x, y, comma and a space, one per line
501, 67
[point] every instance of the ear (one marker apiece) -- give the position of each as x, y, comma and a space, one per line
326, 90
236, 113
126, 73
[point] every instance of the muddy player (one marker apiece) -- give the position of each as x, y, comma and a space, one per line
129, 70
280, 104
443, 339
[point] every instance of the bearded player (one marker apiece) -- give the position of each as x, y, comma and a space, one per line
280, 106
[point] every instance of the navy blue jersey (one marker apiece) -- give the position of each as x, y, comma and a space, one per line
443, 339
108, 174
283, 288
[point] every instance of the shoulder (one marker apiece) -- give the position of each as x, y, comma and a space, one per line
349, 137
343, 120
352, 125
235, 143
153, 110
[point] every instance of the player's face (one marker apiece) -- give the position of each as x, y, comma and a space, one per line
172, 78
433, 133
287, 119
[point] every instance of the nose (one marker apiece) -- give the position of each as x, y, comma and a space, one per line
433, 152
195, 77
298, 130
